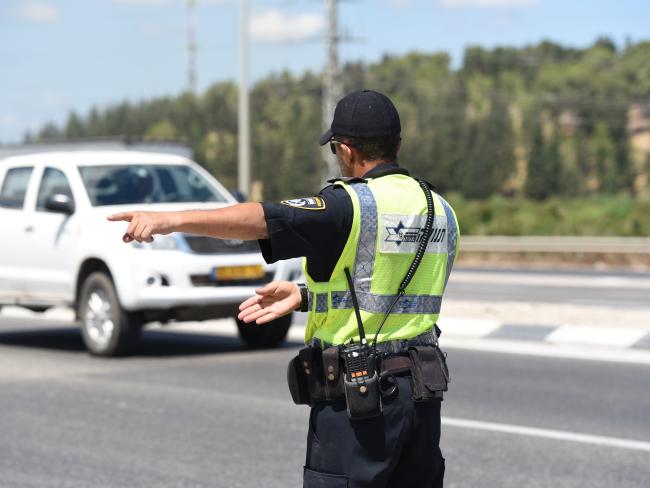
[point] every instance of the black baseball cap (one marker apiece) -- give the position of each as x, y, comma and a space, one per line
365, 113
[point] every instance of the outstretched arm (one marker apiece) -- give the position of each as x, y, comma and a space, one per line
242, 221
270, 302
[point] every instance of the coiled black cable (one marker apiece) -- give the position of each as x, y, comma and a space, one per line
419, 254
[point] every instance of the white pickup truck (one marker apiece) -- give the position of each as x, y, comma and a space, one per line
57, 248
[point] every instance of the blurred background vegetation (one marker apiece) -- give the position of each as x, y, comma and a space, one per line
544, 139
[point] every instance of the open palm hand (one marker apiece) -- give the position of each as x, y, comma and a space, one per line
270, 302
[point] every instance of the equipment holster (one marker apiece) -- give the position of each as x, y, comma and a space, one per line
297, 379
429, 373
315, 375
363, 398
332, 374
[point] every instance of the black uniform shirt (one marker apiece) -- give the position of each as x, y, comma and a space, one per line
317, 227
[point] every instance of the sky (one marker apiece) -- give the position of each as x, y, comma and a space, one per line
63, 55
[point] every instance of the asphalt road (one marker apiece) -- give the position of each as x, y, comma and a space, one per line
199, 411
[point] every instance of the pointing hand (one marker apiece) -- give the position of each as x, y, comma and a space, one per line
143, 225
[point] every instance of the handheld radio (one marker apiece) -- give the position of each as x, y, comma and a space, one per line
361, 385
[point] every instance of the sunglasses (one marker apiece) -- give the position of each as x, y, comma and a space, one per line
334, 142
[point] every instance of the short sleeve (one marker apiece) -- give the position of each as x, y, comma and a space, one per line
314, 227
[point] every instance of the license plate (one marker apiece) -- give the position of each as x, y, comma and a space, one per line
231, 273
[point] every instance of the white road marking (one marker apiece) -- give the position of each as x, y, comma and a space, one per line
598, 336
540, 349
221, 327
548, 434
467, 327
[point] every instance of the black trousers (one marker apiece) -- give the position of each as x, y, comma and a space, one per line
400, 448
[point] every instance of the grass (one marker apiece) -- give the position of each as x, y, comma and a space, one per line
589, 216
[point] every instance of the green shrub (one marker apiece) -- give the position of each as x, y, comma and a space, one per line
588, 216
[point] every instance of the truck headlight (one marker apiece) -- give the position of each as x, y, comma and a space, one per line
162, 243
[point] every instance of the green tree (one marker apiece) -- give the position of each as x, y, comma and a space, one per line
604, 156
544, 168
74, 127
161, 130
491, 152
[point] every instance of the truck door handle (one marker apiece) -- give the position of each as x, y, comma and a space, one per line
29, 228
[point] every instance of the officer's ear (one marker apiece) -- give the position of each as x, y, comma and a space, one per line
347, 154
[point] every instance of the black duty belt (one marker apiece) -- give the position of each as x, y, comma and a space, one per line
396, 364
317, 375
428, 338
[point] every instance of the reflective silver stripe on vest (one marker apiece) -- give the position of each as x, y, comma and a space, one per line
420, 304
452, 237
364, 265
321, 302
365, 258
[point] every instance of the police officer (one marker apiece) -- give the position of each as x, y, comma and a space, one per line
359, 236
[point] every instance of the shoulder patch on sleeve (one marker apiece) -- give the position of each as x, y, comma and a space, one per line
309, 203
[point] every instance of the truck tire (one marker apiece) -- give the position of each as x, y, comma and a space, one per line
266, 335
107, 329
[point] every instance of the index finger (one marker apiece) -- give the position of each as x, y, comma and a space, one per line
125, 216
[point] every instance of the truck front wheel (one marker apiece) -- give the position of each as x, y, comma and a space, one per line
266, 335
107, 329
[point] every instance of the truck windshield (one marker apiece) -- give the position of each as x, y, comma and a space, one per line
146, 183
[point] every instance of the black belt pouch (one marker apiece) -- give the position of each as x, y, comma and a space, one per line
298, 377
363, 398
331, 358
429, 373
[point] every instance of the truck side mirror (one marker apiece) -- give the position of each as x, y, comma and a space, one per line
60, 203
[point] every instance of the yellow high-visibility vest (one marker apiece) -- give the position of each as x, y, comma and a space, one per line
389, 217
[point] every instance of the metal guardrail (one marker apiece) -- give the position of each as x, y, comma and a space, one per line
556, 244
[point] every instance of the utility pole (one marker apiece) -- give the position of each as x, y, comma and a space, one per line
243, 167
332, 88
191, 46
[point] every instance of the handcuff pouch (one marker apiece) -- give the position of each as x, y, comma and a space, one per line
297, 380
429, 373
315, 375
